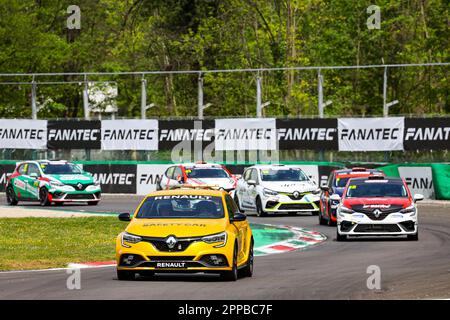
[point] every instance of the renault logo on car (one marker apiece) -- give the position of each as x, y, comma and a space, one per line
171, 241
296, 194
377, 213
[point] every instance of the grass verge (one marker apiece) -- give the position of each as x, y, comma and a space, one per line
39, 243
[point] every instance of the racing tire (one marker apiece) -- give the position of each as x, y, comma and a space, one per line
231, 275
126, 275
43, 197
93, 203
247, 271
322, 221
259, 210
330, 222
236, 200
340, 237
11, 198
413, 237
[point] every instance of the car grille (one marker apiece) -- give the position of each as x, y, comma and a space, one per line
171, 258
79, 196
161, 245
82, 186
296, 206
377, 228
301, 195
383, 212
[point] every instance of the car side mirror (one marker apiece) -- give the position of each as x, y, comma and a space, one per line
335, 197
124, 216
418, 197
238, 216
251, 182
325, 188
34, 175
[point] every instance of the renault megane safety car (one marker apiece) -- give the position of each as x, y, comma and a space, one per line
335, 185
377, 206
276, 189
200, 173
51, 182
185, 230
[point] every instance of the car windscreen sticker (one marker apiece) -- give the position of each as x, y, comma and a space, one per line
353, 186
200, 197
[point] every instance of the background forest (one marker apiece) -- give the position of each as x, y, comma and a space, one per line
169, 35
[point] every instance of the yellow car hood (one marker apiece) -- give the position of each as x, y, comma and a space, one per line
176, 227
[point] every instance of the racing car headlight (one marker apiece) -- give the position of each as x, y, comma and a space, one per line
343, 209
96, 183
56, 183
220, 238
268, 192
316, 191
410, 209
130, 238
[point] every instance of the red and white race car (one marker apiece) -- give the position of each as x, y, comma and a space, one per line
198, 174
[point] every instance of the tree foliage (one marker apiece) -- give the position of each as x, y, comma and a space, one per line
169, 35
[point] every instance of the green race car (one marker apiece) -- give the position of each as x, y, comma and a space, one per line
51, 182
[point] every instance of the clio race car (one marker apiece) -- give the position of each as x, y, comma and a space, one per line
377, 206
188, 231
276, 189
336, 185
199, 173
51, 182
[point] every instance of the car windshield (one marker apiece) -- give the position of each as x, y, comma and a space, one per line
66, 168
206, 173
367, 190
291, 174
340, 182
182, 206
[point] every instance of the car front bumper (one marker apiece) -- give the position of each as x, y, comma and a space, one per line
64, 194
284, 203
197, 257
359, 224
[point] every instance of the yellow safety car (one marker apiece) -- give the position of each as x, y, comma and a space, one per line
185, 230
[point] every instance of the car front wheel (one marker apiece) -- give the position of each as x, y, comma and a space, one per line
259, 209
11, 198
231, 275
247, 271
43, 197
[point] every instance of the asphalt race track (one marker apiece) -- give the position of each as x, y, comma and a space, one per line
330, 270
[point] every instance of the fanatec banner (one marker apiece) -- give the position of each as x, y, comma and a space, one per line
307, 134
371, 134
129, 134
23, 134
427, 133
343, 134
246, 134
74, 134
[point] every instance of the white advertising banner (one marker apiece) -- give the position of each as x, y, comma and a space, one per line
419, 180
245, 134
147, 176
129, 134
371, 134
23, 134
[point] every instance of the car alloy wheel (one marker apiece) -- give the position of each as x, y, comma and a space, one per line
11, 197
43, 197
236, 200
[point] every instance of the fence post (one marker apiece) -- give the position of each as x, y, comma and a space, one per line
33, 100
258, 97
320, 93
143, 98
86, 99
200, 97
385, 107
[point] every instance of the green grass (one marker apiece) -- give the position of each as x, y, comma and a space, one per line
37, 243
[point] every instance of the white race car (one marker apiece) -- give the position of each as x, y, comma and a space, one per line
277, 189
198, 174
